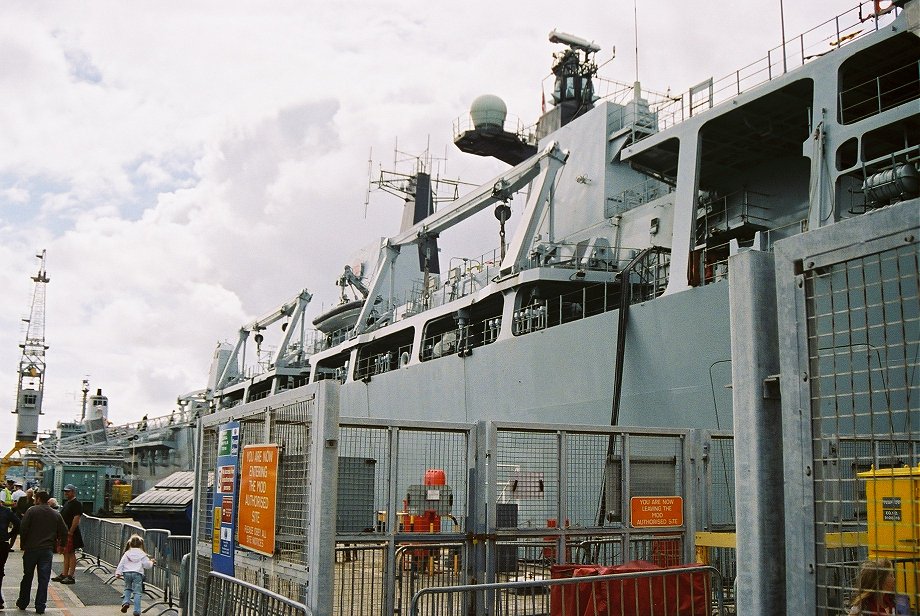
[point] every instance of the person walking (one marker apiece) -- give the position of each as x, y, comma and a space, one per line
131, 567
9, 528
41, 530
72, 511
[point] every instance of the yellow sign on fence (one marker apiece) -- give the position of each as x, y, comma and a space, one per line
656, 511
258, 495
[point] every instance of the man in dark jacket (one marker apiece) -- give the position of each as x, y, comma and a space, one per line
42, 529
9, 528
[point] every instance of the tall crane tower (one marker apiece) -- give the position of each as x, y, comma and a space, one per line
31, 383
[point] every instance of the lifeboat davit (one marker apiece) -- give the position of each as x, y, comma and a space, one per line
343, 316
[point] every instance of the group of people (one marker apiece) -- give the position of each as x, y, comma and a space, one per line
42, 528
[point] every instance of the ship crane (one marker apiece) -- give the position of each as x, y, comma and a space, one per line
31, 374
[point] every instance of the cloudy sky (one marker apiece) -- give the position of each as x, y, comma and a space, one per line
189, 166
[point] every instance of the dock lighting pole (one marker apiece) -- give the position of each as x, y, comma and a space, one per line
782, 28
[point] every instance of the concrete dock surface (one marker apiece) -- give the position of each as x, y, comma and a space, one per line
91, 595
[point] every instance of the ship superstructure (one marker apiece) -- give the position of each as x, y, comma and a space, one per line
601, 338
641, 199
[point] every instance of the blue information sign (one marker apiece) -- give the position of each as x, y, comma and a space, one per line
225, 480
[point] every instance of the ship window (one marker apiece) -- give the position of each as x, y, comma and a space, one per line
846, 154
29, 399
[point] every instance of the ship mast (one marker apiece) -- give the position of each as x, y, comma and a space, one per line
31, 382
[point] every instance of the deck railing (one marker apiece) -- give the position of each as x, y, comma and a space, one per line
796, 51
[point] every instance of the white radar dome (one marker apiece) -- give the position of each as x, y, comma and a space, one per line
488, 111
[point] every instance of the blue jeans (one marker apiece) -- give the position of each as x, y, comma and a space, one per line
31, 560
134, 583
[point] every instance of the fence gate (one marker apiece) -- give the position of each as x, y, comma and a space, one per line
849, 343
505, 502
371, 512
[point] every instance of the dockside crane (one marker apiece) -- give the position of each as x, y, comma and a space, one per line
31, 381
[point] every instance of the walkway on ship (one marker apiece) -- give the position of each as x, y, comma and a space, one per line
90, 596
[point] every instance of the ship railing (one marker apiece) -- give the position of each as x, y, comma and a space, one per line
647, 280
797, 51
697, 587
645, 191
743, 209
893, 186
461, 339
879, 94
105, 542
782, 232
466, 276
512, 124
713, 259
228, 595
586, 255
378, 363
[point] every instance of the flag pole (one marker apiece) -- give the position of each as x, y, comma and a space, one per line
782, 25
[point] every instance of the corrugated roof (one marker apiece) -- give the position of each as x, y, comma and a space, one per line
174, 493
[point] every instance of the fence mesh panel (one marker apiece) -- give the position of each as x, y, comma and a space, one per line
863, 341
290, 426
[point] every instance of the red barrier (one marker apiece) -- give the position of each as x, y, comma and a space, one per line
667, 594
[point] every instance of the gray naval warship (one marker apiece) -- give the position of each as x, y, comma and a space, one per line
709, 300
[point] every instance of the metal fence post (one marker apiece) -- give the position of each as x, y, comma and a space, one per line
196, 514
324, 451
758, 433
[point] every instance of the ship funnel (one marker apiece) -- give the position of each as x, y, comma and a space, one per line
98, 407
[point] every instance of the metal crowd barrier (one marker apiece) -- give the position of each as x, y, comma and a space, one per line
104, 544
605, 595
228, 595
